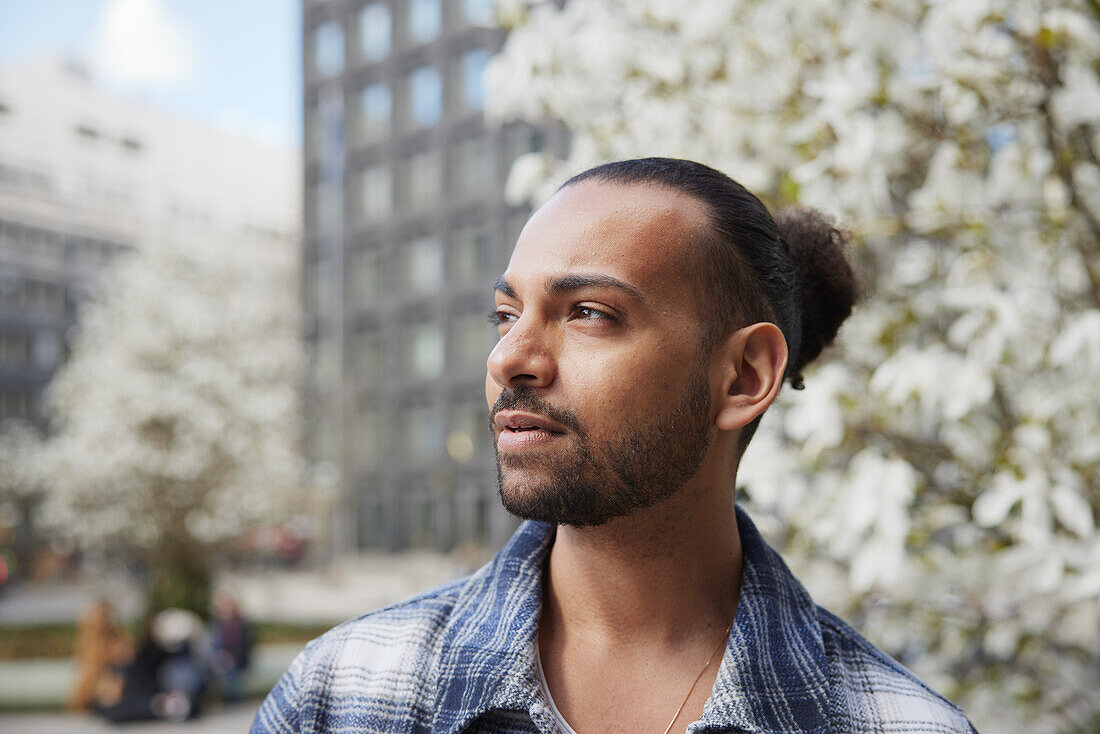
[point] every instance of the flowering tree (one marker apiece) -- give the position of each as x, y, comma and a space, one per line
175, 420
20, 442
937, 481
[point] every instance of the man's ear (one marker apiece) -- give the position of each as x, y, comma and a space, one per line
753, 359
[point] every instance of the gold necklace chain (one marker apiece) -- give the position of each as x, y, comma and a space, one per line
694, 683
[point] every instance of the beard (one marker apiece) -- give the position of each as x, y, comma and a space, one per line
591, 482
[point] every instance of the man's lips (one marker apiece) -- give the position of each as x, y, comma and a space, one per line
516, 430
515, 421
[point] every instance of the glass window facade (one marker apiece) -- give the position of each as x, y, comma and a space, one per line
367, 281
371, 438
424, 265
473, 78
473, 337
471, 168
375, 112
470, 418
470, 256
369, 357
375, 194
375, 32
479, 12
425, 96
328, 49
424, 429
423, 181
46, 349
426, 357
371, 518
425, 20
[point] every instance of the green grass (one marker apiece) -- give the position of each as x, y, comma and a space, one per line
22, 642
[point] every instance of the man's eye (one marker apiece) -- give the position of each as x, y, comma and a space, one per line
496, 318
588, 312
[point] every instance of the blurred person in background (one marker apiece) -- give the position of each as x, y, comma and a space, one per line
164, 679
650, 312
230, 647
100, 644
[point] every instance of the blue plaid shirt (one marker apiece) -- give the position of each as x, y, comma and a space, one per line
461, 658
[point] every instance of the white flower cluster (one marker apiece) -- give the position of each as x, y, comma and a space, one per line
20, 442
175, 418
939, 478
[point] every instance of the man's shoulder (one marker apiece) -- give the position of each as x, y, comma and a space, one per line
370, 668
415, 622
872, 692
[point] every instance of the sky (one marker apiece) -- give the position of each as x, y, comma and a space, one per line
234, 64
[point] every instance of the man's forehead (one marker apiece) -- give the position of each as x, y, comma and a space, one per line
627, 227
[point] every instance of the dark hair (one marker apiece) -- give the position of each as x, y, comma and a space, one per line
791, 270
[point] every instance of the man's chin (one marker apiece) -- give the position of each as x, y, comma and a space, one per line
527, 498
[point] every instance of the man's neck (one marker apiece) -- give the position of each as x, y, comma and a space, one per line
633, 608
661, 575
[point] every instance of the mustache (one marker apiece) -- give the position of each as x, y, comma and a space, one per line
527, 399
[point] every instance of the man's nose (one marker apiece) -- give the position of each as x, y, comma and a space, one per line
523, 356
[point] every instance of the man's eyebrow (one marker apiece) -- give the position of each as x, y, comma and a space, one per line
569, 283
504, 287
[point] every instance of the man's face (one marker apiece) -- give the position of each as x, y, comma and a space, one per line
599, 393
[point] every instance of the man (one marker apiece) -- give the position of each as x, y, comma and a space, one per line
648, 316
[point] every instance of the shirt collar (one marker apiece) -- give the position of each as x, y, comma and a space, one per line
486, 660
773, 673
772, 677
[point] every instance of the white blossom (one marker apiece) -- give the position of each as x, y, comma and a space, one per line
176, 416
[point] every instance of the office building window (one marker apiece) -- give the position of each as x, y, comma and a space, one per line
470, 255
425, 96
479, 12
424, 428
425, 20
375, 194
328, 49
367, 276
473, 337
468, 430
424, 265
471, 168
375, 111
423, 181
371, 434
420, 517
369, 357
424, 356
473, 78
46, 349
45, 296
372, 519
375, 32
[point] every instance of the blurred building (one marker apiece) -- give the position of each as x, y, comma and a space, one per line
406, 229
85, 174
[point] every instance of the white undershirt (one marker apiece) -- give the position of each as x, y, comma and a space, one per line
561, 722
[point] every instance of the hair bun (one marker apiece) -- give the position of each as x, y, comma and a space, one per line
826, 282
